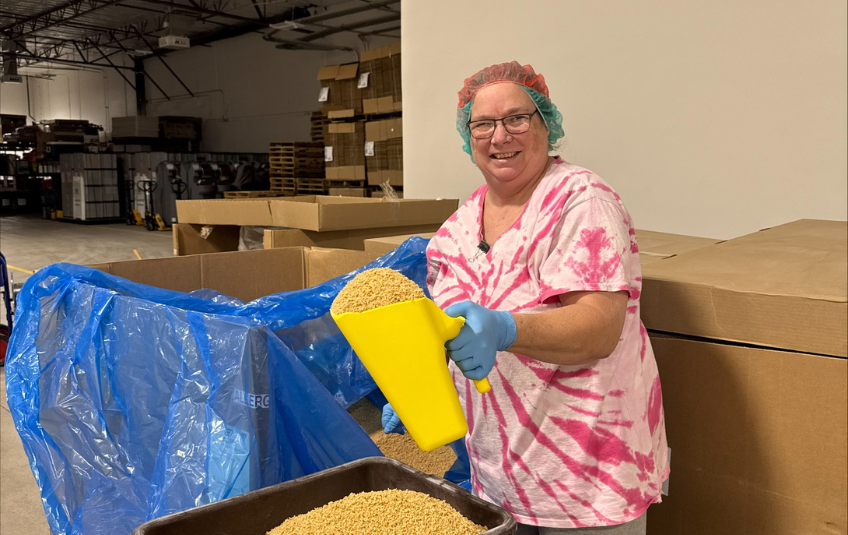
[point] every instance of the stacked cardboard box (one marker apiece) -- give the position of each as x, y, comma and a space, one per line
291, 162
339, 92
751, 344
384, 152
382, 94
344, 156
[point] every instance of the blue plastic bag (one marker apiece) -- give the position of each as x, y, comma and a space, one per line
133, 402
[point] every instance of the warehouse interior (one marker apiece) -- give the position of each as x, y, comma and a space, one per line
244, 153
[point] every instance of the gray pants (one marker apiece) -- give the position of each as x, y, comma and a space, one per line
634, 527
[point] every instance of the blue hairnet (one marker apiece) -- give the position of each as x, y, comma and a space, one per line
547, 110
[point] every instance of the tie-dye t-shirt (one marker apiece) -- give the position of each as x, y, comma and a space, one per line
557, 446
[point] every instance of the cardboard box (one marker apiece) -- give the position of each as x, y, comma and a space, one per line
782, 287
343, 93
348, 192
339, 239
387, 244
750, 340
315, 213
193, 239
135, 126
246, 275
654, 246
348, 172
347, 142
758, 440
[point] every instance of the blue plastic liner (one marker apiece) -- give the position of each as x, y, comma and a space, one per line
133, 402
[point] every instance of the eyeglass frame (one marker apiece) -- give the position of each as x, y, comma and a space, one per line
501, 120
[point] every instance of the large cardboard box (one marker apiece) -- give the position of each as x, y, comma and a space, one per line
383, 90
340, 84
344, 152
384, 152
653, 246
783, 287
750, 340
246, 275
341, 239
317, 213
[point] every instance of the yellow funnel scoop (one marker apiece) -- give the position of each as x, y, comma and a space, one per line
403, 347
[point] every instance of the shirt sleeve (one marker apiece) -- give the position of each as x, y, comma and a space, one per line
590, 252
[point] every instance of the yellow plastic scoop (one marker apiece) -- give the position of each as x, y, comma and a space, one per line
403, 347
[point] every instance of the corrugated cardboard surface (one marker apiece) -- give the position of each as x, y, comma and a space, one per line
317, 213
387, 244
338, 239
783, 287
256, 212
246, 275
325, 264
664, 243
758, 440
342, 213
188, 240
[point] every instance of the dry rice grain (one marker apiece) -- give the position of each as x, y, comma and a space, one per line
385, 512
404, 449
375, 288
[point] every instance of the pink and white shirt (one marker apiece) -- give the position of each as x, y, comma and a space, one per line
557, 446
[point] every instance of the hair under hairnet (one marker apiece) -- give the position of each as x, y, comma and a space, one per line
527, 79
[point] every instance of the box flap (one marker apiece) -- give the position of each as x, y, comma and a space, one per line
669, 244
188, 240
386, 244
225, 212
328, 73
347, 71
782, 287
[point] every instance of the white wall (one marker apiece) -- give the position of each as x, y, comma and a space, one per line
248, 93
94, 94
709, 118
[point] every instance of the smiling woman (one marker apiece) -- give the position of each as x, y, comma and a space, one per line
543, 264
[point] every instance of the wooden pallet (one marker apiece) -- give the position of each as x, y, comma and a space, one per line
251, 194
287, 185
311, 186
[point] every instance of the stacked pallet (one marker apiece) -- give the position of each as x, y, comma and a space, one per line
319, 122
294, 161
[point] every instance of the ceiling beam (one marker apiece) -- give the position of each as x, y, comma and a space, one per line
44, 20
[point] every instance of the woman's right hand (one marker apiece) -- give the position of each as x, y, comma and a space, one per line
391, 421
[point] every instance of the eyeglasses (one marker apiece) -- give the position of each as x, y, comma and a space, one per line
514, 124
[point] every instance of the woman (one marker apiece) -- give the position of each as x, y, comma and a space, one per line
542, 262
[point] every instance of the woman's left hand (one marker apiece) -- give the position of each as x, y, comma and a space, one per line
484, 334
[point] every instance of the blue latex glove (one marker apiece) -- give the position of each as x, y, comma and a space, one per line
484, 334
391, 421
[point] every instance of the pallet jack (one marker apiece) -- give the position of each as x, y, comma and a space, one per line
152, 220
133, 217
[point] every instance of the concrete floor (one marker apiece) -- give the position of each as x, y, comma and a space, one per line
30, 243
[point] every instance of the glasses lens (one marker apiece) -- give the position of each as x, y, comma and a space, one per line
517, 124
482, 129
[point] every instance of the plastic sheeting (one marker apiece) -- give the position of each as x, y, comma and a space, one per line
133, 402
